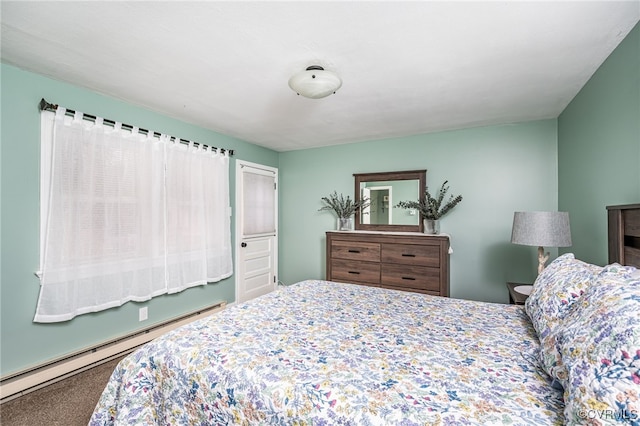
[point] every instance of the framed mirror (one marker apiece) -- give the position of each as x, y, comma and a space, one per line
385, 190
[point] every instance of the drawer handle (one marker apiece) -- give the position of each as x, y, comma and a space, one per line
409, 278
408, 255
354, 272
354, 251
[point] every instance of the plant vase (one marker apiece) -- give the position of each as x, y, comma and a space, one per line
431, 226
345, 224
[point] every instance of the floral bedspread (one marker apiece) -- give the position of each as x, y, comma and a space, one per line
324, 353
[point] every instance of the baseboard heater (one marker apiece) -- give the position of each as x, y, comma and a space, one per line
29, 380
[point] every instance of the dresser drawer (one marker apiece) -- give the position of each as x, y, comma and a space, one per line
411, 254
631, 220
357, 272
355, 250
414, 278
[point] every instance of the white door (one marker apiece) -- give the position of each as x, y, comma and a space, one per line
256, 230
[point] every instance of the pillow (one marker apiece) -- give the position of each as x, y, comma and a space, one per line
600, 351
555, 290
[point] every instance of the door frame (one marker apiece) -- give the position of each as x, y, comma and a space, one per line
368, 208
238, 237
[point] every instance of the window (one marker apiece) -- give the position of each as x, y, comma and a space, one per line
126, 216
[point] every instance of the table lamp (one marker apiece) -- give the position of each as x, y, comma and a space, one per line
542, 229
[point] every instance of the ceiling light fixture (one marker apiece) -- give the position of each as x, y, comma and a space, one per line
315, 82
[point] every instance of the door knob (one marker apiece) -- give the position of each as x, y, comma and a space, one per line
243, 245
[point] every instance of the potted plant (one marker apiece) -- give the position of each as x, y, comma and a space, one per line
433, 208
344, 207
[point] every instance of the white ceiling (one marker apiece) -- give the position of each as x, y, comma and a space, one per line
407, 67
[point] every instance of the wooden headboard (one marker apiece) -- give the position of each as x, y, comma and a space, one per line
624, 234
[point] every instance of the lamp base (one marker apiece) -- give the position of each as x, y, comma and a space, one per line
523, 289
542, 259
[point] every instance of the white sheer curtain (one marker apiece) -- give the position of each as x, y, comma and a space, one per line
198, 222
115, 231
259, 204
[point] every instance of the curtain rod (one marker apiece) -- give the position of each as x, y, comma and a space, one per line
46, 106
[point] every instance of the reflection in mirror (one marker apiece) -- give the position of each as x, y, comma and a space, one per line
378, 209
384, 190
383, 196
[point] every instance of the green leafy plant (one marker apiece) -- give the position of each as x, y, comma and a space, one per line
433, 207
343, 206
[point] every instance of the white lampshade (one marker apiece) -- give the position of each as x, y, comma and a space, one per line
315, 82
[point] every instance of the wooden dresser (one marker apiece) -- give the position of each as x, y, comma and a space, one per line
402, 261
624, 234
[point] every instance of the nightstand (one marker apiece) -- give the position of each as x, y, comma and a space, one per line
518, 297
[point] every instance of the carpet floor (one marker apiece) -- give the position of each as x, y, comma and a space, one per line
69, 402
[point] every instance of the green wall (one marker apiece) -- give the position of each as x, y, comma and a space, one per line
25, 343
497, 170
599, 149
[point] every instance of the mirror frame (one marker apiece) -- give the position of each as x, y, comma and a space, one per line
420, 175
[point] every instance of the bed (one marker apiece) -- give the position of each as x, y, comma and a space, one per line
327, 353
